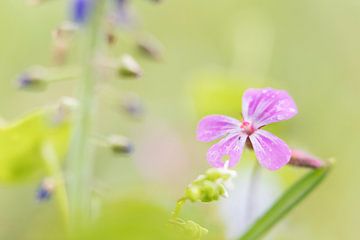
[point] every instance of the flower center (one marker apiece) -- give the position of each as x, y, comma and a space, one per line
247, 128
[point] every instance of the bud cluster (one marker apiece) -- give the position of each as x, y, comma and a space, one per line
210, 186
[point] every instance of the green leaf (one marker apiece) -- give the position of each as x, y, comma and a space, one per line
21, 144
290, 199
218, 94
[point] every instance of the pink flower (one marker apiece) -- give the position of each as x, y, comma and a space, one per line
260, 107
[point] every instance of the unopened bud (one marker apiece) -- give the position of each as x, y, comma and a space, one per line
65, 109
123, 15
62, 36
33, 79
303, 159
120, 144
133, 106
46, 189
220, 173
129, 67
150, 48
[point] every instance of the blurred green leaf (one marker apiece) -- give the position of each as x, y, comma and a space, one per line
290, 199
21, 144
218, 94
133, 219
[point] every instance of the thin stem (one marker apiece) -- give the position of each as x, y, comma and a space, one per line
60, 75
54, 169
252, 191
80, 155
179, 204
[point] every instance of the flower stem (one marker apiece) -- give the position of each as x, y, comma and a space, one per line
80, 155
179, 204
54, 169
251, 195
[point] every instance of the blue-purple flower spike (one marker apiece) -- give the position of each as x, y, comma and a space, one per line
80, 10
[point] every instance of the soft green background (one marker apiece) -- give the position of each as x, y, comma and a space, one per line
311, 48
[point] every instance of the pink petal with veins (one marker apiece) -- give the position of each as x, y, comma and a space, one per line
231, 146
271, 151
267, 105
212, 127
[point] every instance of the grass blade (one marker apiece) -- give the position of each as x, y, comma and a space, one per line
290, 199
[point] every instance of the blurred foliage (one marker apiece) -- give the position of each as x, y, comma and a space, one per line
21, 145
310, 48
218, 94
289, 200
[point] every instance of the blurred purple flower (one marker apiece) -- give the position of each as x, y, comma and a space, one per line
260, 107
45, 190
122, 11
24, 80
80, 10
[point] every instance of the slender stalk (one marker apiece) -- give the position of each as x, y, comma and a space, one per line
80, 155
179, 204
54, 169
252, 191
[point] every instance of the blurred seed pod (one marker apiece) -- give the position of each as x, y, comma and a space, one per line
62, 37
33, 79
132, 105
300, 158
45, 189
129, 67
123, 15
150, 48
111, 37
120, 144
65, 108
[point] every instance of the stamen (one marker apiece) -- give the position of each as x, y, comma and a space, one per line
247, 127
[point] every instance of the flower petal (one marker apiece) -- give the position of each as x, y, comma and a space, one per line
212, 127
267, 105
271, 151
231, 146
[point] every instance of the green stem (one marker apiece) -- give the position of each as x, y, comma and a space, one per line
60, 75
179, 204
252, 191
80, 155
54, 169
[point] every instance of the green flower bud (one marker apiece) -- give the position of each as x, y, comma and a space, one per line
65, 109
193, 193
150, 48
33, 79
120, 144
129, 67
209, 187
219, 173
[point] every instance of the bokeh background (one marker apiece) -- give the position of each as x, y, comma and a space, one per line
213, 50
